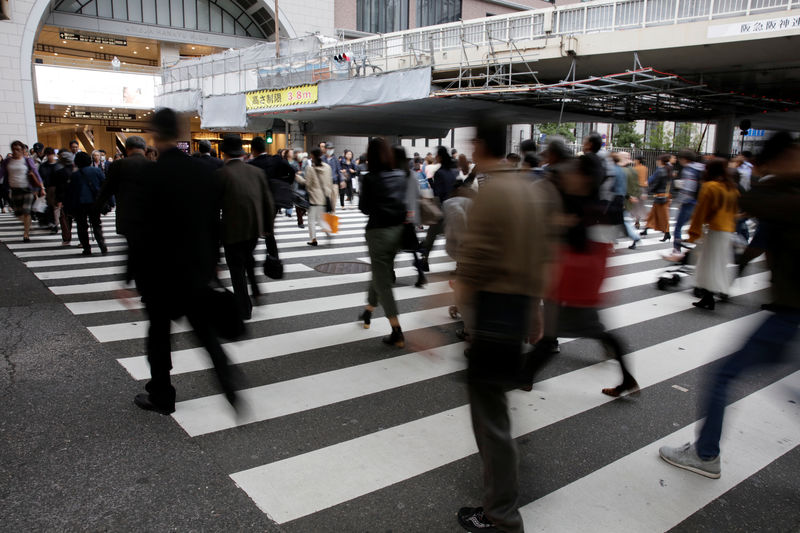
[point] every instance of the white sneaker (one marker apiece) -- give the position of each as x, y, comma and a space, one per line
686, 457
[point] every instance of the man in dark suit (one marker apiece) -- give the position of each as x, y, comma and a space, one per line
204, 148
125, 182
280, 177
181, 233
247, 214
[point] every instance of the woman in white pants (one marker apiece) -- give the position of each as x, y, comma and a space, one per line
319, 185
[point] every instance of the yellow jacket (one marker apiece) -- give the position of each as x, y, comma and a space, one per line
717, 205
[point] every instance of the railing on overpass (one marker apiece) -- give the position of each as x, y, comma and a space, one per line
233, 72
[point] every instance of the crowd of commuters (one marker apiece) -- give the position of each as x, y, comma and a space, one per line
530, 233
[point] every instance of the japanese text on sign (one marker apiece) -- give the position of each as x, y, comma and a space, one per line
266, 99
755, 26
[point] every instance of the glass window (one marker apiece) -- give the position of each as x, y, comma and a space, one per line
431, 12
382, 16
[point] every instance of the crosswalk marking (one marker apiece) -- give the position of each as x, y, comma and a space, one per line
307, 483
270, 287
138, 330
209, 414
655, 496
247, 351
322, 476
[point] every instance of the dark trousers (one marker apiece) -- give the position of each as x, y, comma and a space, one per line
159, 356
433, 231
241, 265
769, 345
272, 244
66, 226
85, 215
498, 451
579, 322
684, 216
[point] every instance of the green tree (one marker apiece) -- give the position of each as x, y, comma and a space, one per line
659, 138
565, 129
683, 137
625, 135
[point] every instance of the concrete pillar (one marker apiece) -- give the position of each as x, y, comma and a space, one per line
723, 140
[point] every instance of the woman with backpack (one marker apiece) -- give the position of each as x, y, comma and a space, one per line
82, 191
383, 199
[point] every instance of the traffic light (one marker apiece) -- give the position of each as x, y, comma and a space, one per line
268, 137
342, 58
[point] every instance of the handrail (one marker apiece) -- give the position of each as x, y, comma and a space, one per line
229, 73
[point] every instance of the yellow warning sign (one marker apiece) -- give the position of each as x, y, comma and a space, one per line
271, 98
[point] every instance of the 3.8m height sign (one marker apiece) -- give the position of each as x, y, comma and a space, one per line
273, 98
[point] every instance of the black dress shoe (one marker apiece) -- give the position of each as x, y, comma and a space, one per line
395, 339
143, 401
707, 302
643, 233
666, 237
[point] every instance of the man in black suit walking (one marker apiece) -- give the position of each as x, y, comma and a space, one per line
179, 261
125, 181
246, 215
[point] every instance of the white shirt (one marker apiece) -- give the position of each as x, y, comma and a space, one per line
18, 174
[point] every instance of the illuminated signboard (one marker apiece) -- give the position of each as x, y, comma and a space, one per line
83, 38
273, 98
98, 88
102, 115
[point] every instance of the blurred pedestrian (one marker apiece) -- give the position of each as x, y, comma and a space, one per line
688, 186
205, 155
626, 189
125, 183
659, 184
383, 199
349, 175
82, 193
247, 215
280, 176
47, 170
23, 181
713, 222
180, 265
410, 241
319, 187
640, 212
444, 180
61, 178
775, 200
502, 276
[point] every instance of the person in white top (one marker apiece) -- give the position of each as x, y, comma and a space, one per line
19, 174
319, 185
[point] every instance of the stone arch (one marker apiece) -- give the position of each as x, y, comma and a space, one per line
39, 11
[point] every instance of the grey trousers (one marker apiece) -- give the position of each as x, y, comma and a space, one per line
498, 451
383, 245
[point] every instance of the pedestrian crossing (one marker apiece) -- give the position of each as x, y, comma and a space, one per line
338, 429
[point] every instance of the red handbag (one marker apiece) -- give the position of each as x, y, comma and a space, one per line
579, 275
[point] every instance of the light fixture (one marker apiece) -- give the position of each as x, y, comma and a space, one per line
147, 48
192, 47
55, 53
64, 42
135, 52
91, 59
101, 47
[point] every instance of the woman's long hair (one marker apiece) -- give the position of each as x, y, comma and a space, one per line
316, 157
379, 155
717, 170
401, 159
445, 158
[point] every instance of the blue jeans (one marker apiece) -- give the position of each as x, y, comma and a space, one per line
629, 227
768, 345
684, 216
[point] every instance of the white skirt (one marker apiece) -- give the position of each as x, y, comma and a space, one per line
714, 254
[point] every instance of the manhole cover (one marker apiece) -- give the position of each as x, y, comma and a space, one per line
343, 267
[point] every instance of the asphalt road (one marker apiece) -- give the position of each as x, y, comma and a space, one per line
345, 434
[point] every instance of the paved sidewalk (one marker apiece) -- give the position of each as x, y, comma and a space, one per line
75, 454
